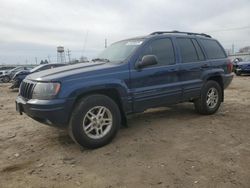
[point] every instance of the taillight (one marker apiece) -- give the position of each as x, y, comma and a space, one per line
229, 66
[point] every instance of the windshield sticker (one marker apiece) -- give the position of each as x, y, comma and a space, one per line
134, 43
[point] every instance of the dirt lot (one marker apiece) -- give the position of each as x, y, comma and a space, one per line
167, 147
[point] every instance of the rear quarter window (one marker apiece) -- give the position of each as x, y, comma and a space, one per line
213, 49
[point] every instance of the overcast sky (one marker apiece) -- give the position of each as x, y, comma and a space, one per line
34, 28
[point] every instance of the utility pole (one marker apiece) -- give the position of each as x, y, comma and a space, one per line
106, 43
233, 48
85, 42
49, 58
68, 53
36, 60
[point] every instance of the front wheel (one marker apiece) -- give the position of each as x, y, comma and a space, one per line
238, 73
95, 121
6, 79
210, 98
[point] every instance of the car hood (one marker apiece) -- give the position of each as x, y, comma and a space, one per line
23, 72
244, 63
69, 71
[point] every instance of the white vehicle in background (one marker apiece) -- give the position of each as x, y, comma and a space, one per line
4, 70
7, 75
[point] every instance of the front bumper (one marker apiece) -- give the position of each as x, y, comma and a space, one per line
54, 112
242, 70
15, 83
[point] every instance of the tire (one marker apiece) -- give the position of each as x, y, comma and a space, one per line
6, 79
237, 73
205, 106
85, 115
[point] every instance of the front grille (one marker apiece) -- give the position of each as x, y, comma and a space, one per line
26, 89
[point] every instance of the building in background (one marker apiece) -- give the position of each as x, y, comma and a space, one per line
246, 49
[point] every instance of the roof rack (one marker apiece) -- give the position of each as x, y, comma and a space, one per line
180, 32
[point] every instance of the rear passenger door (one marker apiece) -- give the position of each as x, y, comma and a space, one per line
215, 53
159, 84
193, 64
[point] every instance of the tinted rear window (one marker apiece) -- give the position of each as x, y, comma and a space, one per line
213, 49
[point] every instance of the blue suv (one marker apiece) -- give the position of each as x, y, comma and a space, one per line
93, 99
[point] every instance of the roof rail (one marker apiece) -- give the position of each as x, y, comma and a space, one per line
180, 32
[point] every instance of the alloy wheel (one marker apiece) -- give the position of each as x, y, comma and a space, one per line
212, 98
97, 122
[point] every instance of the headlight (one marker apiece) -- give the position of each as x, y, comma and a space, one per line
45, 91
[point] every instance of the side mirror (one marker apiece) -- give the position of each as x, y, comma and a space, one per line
147, 60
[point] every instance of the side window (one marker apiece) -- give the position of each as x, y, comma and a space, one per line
187, 50
213, 49
198, 50
163, 50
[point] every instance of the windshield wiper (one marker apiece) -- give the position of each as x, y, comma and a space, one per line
101, 59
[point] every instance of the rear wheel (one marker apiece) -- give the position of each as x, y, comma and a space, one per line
210, 98
95, 121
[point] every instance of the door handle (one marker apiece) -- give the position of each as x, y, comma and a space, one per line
205, 66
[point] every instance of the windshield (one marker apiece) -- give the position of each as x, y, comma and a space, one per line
119, 51
36, 68
17, 69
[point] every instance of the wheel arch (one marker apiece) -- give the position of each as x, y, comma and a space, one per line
219, 80
112, 93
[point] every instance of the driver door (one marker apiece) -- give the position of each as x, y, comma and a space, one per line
159, 84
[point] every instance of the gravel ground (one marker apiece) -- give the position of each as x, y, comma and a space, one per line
164, 147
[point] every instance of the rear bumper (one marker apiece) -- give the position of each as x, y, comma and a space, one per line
227, 79
54, 112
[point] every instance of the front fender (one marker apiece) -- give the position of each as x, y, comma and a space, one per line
73, 91
120, 87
